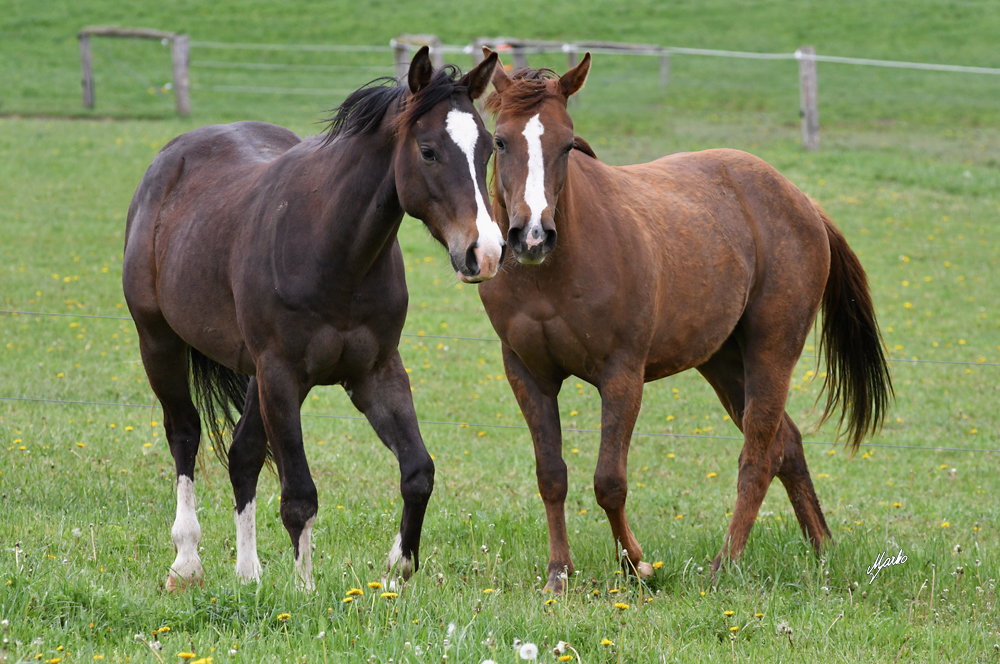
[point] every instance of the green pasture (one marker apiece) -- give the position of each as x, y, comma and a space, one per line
908, 169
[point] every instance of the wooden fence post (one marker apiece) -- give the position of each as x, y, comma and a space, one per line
519, 57
809, 97
664, 70
180, 47
86, 64
401, 58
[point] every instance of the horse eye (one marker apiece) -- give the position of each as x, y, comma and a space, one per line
427, 154
499, 143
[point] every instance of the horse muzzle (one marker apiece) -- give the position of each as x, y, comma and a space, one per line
531, 244
480, 262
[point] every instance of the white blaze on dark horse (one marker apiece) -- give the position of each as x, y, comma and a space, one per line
265, 265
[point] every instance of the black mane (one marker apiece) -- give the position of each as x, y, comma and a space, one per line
364, 109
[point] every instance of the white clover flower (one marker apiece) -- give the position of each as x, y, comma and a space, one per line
528, 651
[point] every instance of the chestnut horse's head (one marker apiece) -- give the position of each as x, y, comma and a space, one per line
533, 138
442, 154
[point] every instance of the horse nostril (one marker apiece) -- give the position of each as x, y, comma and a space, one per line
514, 238
471, 264
503, 254
550, 240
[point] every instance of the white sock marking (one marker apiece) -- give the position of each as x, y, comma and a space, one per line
247, 563
395, 553
534, 184
186, 533
303, 561
462, 129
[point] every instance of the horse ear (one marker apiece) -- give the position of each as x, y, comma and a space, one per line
500, 78
477, 79
573, 80
421, 70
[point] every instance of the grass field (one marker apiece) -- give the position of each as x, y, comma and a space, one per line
909, 170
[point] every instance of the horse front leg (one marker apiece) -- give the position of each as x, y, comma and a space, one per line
539, 403
621, 397
385, 398
281, 393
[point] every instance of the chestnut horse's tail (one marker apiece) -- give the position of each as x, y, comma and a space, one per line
218, 390
857, 375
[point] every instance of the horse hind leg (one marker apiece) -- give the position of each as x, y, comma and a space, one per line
794, 475
754, 391
247, 455
165, 358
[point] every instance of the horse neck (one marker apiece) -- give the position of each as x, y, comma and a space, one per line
362, 223
585, 179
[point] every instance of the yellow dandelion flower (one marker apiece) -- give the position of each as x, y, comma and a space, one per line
758, 615
897, 504
566, 658
375, 584
487, 591
185, 655
355, 591
607, 642
389, 595
658, 564
734, 628
55, 660
613, 590
596, 592
549, 602
945, 524
348, 600
728, 613
711, 475
164, 629
98, 657
283, 617
621, 605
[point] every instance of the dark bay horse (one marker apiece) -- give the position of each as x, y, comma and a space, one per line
623, 275
266, 264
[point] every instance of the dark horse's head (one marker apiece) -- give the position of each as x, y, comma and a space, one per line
534, 136
442, 150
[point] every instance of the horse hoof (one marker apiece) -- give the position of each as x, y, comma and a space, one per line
177, 584
554, 586
645, 570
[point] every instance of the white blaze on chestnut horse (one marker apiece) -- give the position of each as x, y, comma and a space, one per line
623, 275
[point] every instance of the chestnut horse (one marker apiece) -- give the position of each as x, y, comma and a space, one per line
708, 260
266, 264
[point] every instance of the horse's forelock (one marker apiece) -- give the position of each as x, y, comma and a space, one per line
528, 88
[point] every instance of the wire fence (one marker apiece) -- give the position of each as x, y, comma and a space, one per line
69, 402
977, 363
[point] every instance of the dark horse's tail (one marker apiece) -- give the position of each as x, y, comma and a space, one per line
218, 390
857, 375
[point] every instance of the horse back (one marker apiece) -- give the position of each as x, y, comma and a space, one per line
185, 217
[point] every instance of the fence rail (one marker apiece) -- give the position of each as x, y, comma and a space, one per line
404, 45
